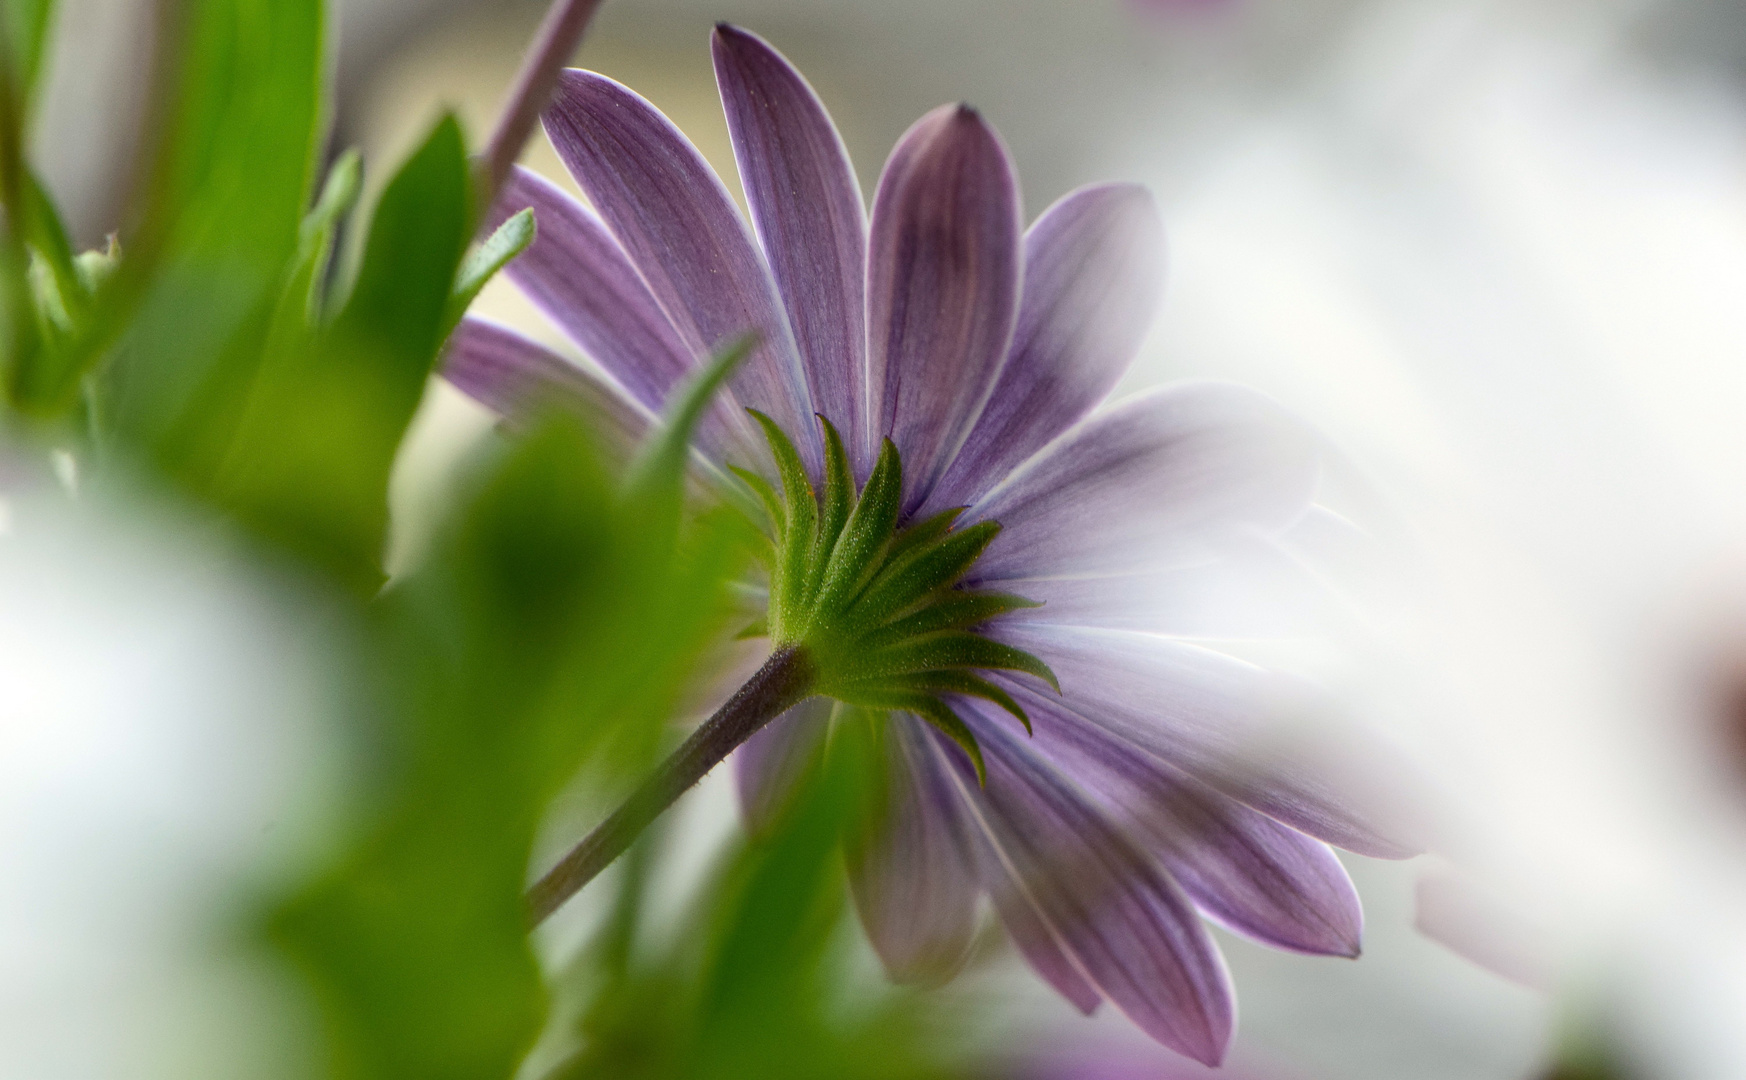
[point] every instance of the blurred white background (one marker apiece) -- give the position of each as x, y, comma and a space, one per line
1495, 250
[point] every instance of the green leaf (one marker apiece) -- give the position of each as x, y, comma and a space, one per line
345, 180
658, 469
774, 511
42, 382
308, 466
414, 942
509, 240
220, 209
25, 24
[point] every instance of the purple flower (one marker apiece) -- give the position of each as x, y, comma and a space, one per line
982, 351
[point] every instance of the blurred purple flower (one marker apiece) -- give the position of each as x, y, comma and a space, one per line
981, 349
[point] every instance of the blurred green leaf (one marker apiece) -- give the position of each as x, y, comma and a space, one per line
36, 306
309, 462
233, 153
417, 943
25, 25
548, 627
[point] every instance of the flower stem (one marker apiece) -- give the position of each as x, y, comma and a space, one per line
784, 680
559, 35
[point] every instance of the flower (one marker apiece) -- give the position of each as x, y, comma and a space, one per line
979, 352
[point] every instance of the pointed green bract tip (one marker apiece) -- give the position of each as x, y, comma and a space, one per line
660, 461
879, 605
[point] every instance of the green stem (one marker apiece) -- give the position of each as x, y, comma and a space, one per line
784, 680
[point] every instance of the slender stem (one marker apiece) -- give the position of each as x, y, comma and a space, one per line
559, 36
784, 680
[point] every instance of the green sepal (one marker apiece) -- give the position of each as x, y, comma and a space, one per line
955, 610
944, 650
939, 714
940, 682
908, 579
935, 712
659, 464
925, 531
839, 498
794, 568
877, 608
865, 535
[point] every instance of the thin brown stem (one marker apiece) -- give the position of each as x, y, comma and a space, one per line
559, 36
782, 682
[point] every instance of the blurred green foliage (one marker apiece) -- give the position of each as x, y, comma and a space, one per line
217, 351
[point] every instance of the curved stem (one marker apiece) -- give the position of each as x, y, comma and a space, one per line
784, 680
559, 36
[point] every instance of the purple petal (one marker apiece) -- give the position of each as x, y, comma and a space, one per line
1166, 479
1242, 868
909, 869
769, 766
806, 208
943, 274
1208, 714
1456, 913
1131, 931
576, 273
1025, 925
1256, 591
673, 217
515, 378
1094, 266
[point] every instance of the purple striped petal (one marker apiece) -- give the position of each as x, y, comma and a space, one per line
1207, 714
1242, 868
1094, 266
943, 276
909, 870
1131, 931
807, 210
515, 378
769, 766
1025, 925
576, 274
1295, 584
1166, 479
673, 217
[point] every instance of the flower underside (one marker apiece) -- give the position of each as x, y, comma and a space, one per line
878, 608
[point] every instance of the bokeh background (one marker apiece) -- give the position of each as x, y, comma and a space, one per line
1496, 251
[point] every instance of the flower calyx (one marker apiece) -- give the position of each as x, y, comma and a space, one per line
878, 606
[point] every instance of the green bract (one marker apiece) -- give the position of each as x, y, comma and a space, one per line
877, 608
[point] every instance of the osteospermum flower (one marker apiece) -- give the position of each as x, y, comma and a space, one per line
963, 543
